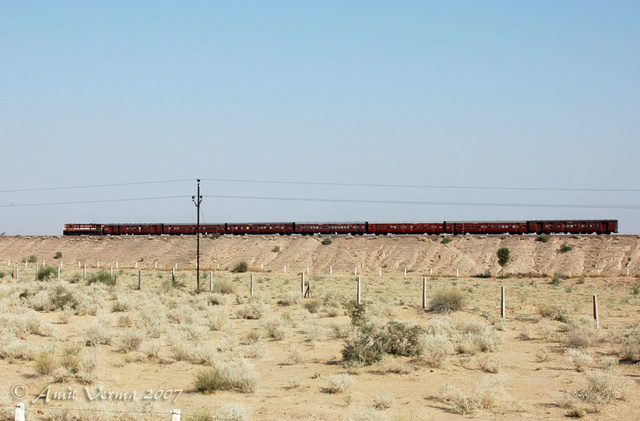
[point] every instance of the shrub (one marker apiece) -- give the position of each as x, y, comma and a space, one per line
102, 277
290, 298
446, 301
230, 375
276, 249
223, 287
58, 255
566, 248
446, 240
32, 259
240, 267
340, 383
555, 281
45, 363
252, 311
327, 241
47, 272
435, 349
312, 305
357, 312
504, 254
544, 238
483, 397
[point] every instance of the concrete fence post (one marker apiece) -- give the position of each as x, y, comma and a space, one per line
175, 415
36, 276
302, 284
58, 273
19, 415
139, 280
359, 292
84, 273
424, 293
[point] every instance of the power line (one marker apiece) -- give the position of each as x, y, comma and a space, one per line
420, 186
415, 202
82, 202
94, 186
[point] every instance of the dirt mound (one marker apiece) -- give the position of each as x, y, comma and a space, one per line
465, 254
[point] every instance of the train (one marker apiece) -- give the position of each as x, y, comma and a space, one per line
606, 226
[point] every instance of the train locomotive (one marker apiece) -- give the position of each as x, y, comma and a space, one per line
606, 226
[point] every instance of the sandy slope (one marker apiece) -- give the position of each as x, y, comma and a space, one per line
611, 255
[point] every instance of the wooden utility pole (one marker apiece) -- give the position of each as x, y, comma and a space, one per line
197, 202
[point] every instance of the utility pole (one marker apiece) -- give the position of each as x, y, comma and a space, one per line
197, 202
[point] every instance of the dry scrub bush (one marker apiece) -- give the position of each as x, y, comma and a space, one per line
252, 311
579, 358
630, 343
236, 374
483, 397
290, 298
447, 301
131, 341
99, 332
435, 349
275, 328
553, 312
256, 349
216, 318
216, 299
340, 383
232, 412
603, 387
312, 305
489, 364
543, 355
580, 333
45, 362
12, 348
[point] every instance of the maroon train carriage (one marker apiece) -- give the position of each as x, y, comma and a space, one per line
513, 227
192, 229
573, 227
415, 228
132, 229
330, 228
261, 228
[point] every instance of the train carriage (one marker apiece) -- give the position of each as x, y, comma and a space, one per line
330, 228
415, 228
261, 228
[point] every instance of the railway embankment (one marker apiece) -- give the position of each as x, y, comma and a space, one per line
466, 255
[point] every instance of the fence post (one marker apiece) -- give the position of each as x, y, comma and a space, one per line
37, 267
139, 280
424, 293
359, 291
175, 415
330, 270
19, 412
58, 273
503, 312
595, 311
302, 284
84, 276
252, 284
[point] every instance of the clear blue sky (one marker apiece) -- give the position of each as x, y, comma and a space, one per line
535, 94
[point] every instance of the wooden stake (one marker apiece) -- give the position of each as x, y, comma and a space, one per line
595, 311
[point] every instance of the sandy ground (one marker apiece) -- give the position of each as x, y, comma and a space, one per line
294, 371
